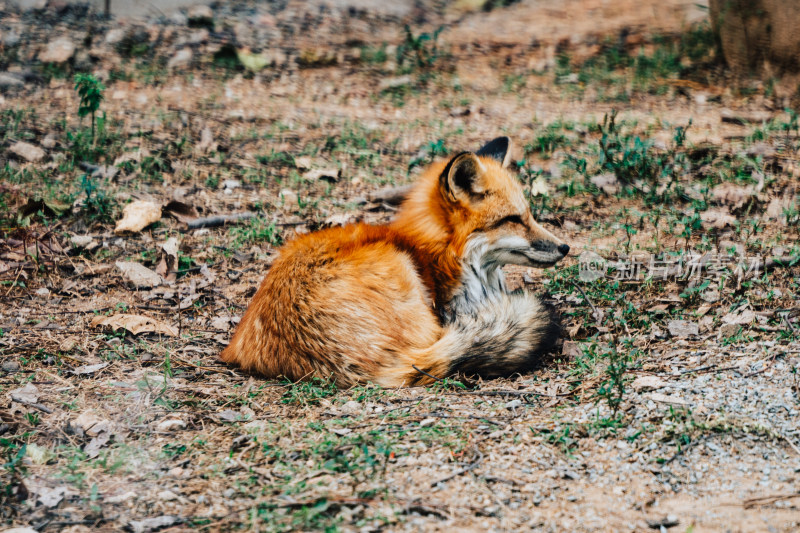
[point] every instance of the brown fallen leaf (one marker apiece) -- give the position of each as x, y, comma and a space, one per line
180, 211
135, 324
138, 215
68, 344
48, 207
91, 423
139, 275
168, 264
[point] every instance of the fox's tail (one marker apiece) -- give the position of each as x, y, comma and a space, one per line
503, 336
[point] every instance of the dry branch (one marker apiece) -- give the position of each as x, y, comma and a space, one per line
219, 220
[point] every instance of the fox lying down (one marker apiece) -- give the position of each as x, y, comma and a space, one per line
370, 303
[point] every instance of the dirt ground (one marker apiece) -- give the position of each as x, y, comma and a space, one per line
672, 404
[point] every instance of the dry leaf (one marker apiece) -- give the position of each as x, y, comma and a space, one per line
168, 264
171, 424
48, 207
327, 174
138, 215
39, 455
27, 394
683, 328
51, 497
92, 449
68, 344
735, 196
141, 276
744, 318
663, 398
539, 187
89, 369
151, 524
135, 324
571, 350
302, 162
181, 211
778, 206
648, 383
606, 182
718, 218
222, 323
339, 219
91, 424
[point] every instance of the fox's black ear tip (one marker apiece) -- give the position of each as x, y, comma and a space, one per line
498, 143
498, 148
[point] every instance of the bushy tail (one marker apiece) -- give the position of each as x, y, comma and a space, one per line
503, 336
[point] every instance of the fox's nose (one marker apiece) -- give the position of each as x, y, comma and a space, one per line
563, 249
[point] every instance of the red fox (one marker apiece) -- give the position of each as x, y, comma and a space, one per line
366, 303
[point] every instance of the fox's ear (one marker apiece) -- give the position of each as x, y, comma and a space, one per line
462, 178
499, 149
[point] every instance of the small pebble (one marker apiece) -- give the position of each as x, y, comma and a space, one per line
10, 366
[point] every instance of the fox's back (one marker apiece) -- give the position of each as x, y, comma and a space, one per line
345, 290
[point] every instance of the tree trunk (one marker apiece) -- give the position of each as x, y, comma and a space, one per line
758, 37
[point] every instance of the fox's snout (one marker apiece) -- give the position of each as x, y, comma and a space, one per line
550, 247
544, 244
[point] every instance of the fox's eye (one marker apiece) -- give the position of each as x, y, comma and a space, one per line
510, 219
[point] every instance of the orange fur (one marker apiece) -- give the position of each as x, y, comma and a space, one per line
363, 303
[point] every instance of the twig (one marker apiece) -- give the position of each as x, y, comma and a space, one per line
686, 448
219, 220
455, 417
42, 408
792, 444
429, 375
500, 480
597, 315
516, 393
710, 368
788, 323
770, 264
752, 502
